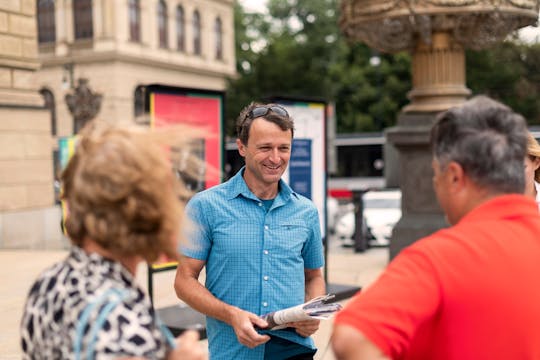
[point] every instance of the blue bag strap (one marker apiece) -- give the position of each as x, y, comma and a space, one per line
119, 296
166, 332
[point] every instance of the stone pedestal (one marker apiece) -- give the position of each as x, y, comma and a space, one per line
421, 214
436, 32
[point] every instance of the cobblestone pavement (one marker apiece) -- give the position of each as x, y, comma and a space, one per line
20, 267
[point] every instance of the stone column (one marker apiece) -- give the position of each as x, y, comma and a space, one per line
438, 76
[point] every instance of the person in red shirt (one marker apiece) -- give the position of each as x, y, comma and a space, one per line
469, 291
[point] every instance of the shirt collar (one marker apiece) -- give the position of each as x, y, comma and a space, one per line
237, 186
503, 206
94, 263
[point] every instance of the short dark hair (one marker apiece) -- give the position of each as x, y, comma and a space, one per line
244, 121
487, 139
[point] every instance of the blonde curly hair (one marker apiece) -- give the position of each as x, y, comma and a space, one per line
533, 150
122, 194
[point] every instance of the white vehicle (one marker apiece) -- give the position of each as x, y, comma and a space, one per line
382, 210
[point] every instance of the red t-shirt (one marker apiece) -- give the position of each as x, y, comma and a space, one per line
471, 291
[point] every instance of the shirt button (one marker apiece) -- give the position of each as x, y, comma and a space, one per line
260, 204
265, 252
265, 304
265, 278
265, 227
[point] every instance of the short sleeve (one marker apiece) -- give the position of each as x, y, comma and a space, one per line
390, 311
198, 232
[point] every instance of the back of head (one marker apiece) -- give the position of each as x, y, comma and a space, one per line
121, 193
487, 139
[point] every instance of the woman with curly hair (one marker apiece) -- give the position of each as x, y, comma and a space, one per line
124, 207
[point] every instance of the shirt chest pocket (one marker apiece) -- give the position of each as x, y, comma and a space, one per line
289, 235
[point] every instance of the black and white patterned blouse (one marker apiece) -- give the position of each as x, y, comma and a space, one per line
72, 290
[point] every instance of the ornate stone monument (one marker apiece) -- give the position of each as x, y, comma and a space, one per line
83, 104
436, 32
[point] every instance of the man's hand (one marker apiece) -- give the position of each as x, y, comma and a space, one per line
244, 324
305, 328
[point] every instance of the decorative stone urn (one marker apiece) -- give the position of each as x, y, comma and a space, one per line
436, 32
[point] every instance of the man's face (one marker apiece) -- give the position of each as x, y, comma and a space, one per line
267, 152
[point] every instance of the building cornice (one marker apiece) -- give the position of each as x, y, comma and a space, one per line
115, 56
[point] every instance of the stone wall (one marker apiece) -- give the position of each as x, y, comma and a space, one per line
27, 212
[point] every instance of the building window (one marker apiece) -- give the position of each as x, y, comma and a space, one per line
48, 97
180, 29
139, 103
162, 24
46, 21
218, 36
82, 16
196, 33
135, 20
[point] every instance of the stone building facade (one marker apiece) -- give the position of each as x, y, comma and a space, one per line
120, 47
26, 167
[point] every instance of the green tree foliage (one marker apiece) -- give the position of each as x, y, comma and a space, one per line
372, 88
509, 72
297, 49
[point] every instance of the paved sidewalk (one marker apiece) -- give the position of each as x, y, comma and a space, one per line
20, 268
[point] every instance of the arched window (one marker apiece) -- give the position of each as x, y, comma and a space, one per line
218, 36
135, 20
139, 104
162, 24
46, 21
82, 16
196, 33
180, 29
48, 96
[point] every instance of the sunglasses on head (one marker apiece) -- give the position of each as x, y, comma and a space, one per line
259, 111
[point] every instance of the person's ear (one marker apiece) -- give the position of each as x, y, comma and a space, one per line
455, 176
241, 148
536, 163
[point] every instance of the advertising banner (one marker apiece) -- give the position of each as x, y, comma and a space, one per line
199, 108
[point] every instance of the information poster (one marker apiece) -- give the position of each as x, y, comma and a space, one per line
307, 168
300, 167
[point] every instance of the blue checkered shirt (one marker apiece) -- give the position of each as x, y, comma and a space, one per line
255, 260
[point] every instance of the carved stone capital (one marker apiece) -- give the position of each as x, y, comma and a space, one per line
391, 25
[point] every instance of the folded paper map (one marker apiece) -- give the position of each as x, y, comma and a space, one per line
318, 308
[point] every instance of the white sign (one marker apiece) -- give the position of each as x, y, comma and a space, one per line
310, 123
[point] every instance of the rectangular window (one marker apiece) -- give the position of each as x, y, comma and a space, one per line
82, 16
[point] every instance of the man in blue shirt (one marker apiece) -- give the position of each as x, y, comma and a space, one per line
261, 245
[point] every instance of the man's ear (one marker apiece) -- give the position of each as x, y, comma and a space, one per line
455, 176
241, 148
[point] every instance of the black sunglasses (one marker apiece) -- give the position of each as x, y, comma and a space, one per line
259, 111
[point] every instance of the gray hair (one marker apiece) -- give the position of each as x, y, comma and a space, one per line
487, 139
